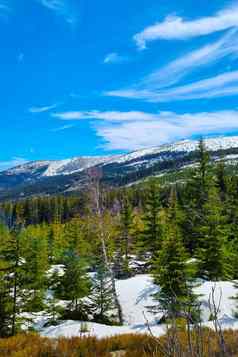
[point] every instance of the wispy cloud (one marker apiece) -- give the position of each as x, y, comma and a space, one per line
5, 10
112, 116
42, 109
134, 130
184, 65
62, 128
159, 86
15, 161
62, 8
174, 27
225, 84
167, 127
69, 115
114, 57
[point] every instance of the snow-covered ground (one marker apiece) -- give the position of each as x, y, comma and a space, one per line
135, 295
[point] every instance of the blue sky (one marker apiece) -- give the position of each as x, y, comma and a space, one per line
90, 77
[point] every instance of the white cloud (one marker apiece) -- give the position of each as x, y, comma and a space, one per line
113, 58
134, 130
62, 8
166, 128
42, 109
225, 84
62, 128
15, 161
184, 65
159, 86
112, 116
56, 5
174, 27
71, 115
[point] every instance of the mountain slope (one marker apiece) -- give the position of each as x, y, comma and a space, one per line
52, 177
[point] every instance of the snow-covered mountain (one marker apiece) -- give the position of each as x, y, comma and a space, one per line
49, 177
59, 167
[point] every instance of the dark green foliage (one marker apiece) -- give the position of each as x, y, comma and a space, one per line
170, 267
35, 265
74, 285
101, 296
124, 244
151, 238
161, 226
212, 253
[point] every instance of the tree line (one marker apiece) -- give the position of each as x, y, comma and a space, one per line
72, 249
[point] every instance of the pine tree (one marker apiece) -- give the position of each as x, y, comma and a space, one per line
221, 179
101, 296
56, 242
11, 258
196, 195
126, 221
35, 265
6, 301
171, 271
74, 232
151, 238
74, 285
212, 254
171, 274
124, 242
6, 306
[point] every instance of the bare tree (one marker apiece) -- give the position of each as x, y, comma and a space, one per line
95, 176
200, 340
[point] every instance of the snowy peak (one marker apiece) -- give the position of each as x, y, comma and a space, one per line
69, 175
78, 164
212, 144
59, 167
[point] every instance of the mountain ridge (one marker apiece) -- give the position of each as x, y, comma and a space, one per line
70, 175
85, 162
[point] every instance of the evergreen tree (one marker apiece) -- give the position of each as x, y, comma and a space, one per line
171, 274
6, 306
74, 231
212, 254
123, 242
74, 286
221, 179
151, 238
11, 258
196, 195
101, 296
6, 301
35, 265
57, 242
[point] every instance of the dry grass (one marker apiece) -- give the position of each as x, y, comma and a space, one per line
32, 345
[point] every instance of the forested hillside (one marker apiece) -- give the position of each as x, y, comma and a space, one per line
62, 257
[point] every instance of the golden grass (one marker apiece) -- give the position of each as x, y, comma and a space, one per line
32, 345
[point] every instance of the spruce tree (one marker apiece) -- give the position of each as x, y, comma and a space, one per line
74, 286
101, 296
74, 231
11, 258
6, 301
212, 254
35, 265
171, 273
124, 242
196, 195
151, 238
